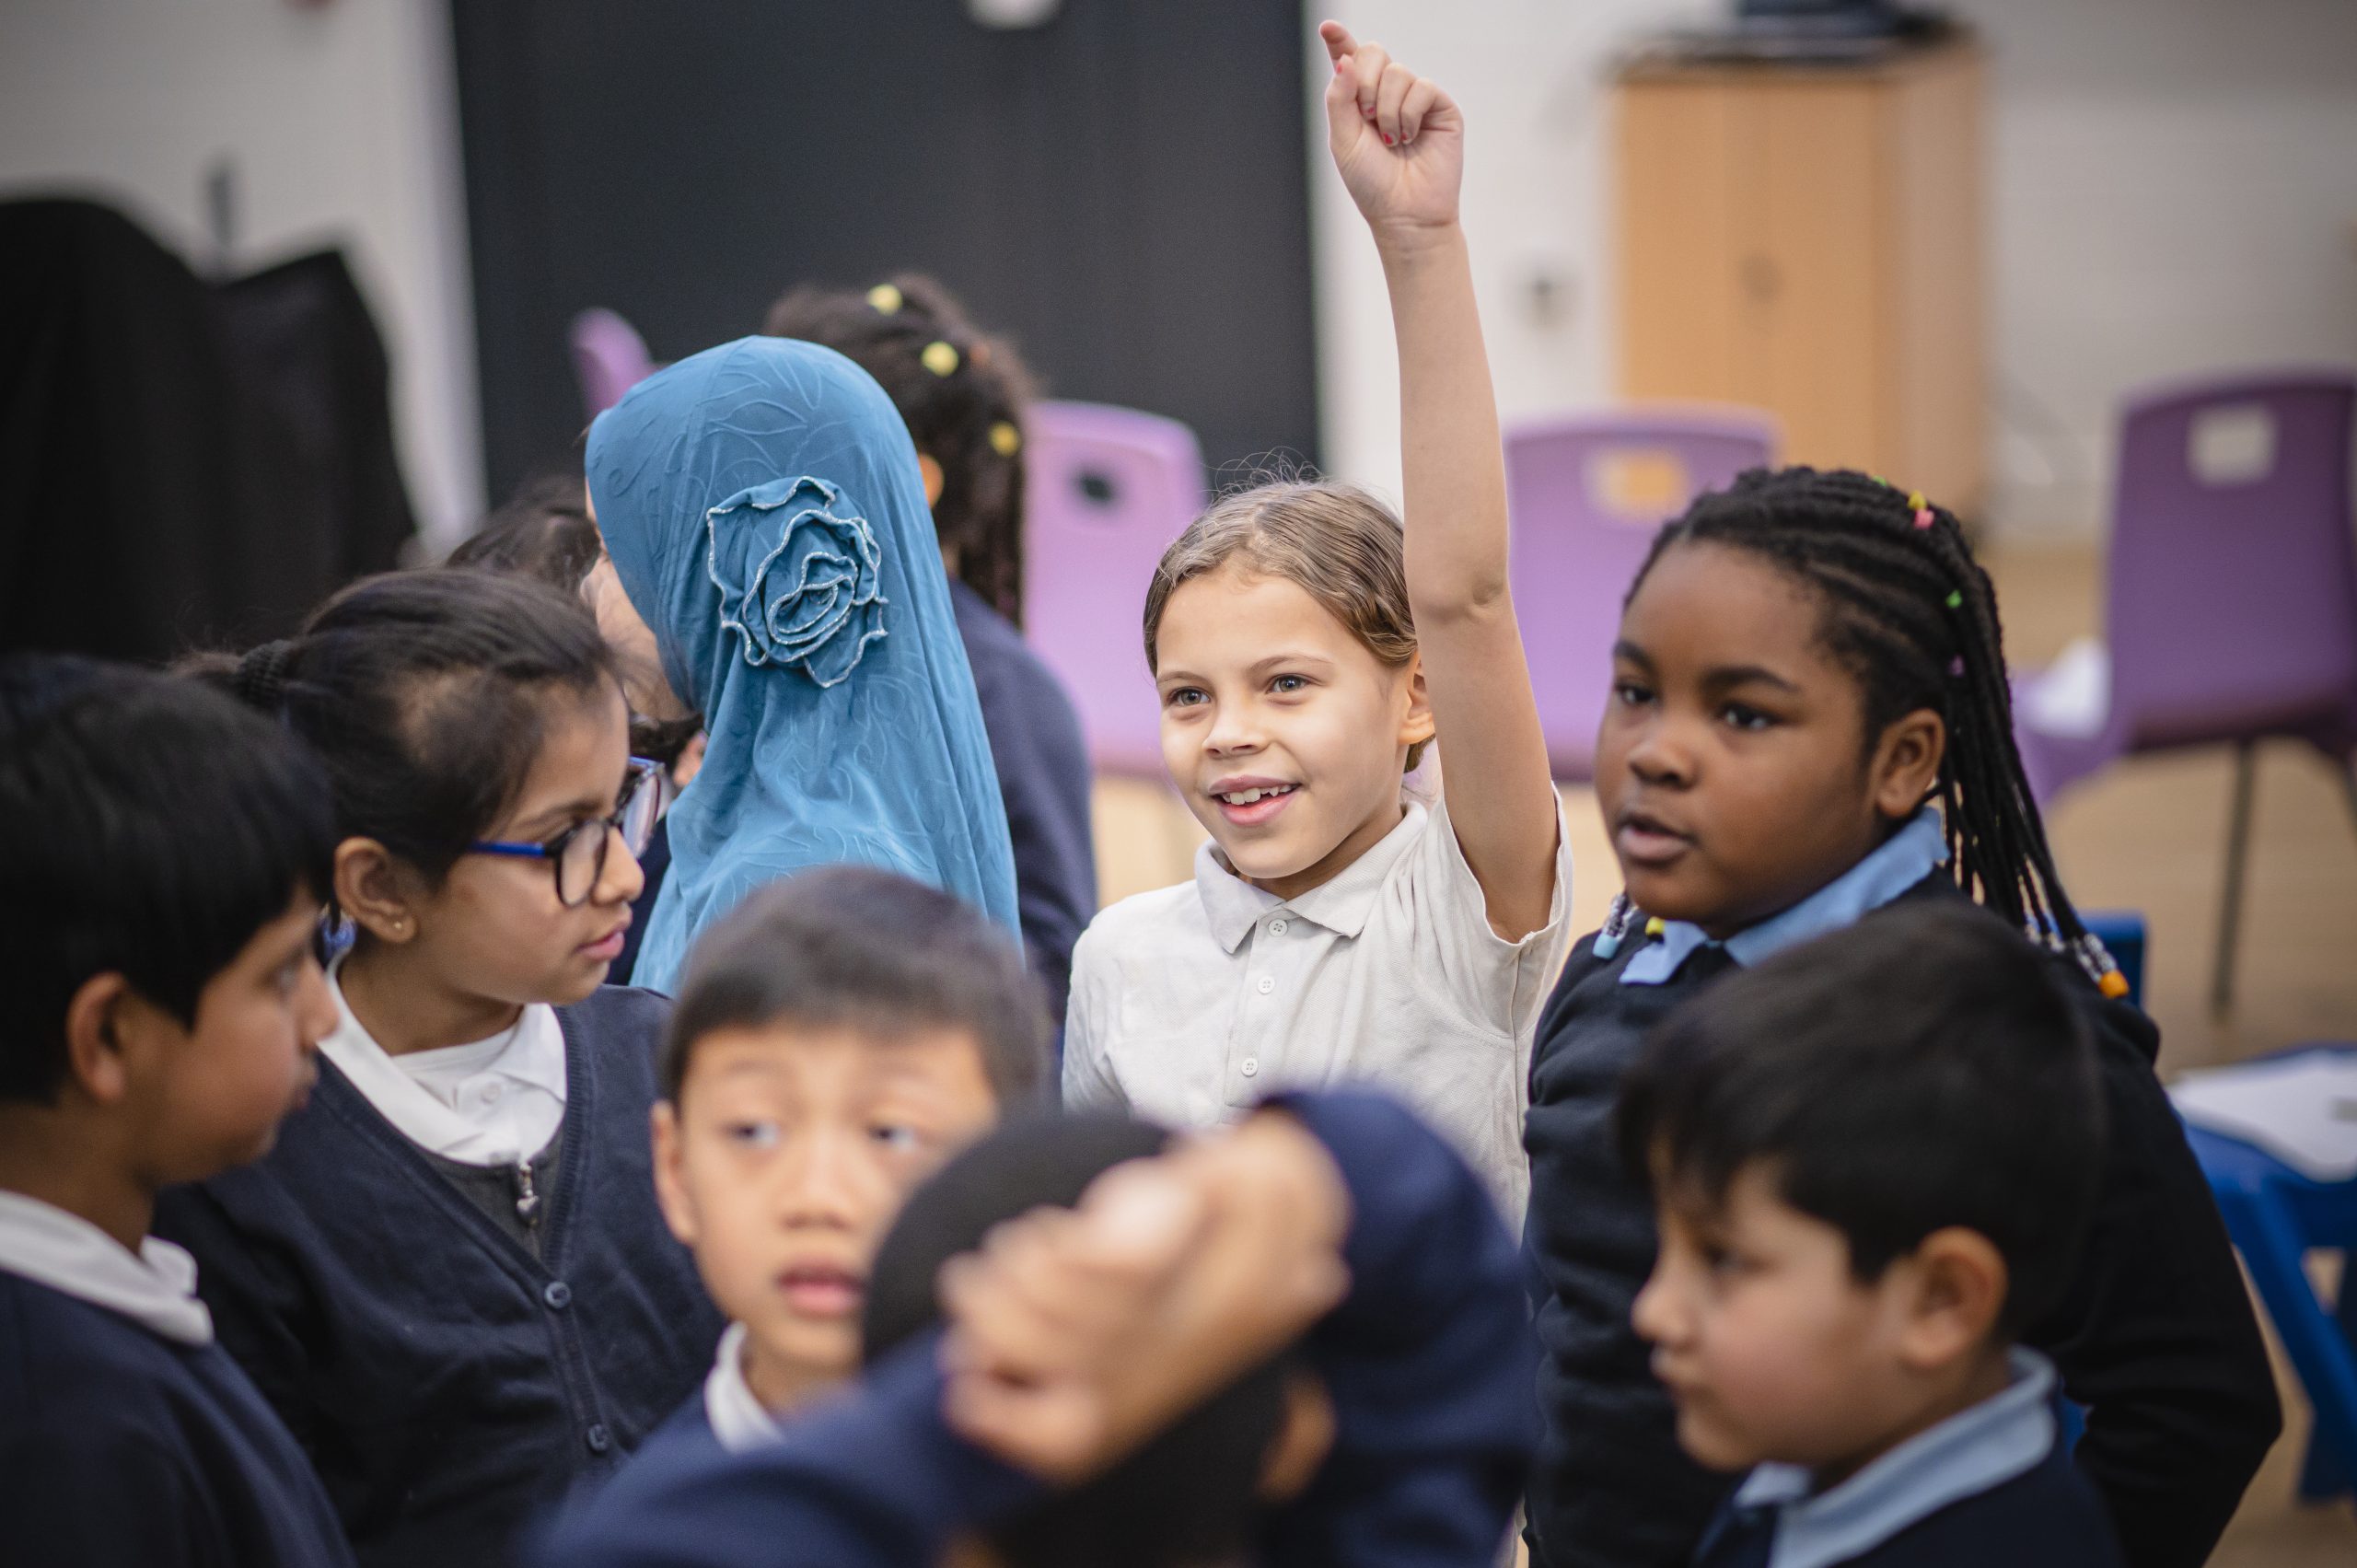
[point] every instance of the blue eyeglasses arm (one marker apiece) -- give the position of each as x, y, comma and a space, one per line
503, 846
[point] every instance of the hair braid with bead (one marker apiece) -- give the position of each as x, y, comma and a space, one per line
1912, 615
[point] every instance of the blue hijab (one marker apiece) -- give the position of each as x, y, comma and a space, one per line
764, 512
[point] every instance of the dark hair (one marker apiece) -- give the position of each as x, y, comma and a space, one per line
543, 531
1191, 1495
873, 949
149, 828
963, 407
1914, 618
427, 695
1919, 1070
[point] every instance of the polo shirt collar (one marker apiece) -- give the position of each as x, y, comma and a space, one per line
154, 1287
1342, 904
1971, 1452
738, 1418
1895, 865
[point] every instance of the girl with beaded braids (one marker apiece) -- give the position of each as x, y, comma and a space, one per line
1809, 721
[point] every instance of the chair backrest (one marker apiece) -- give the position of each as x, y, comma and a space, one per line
2232, 590
608, 357
1587, 493
1107, 490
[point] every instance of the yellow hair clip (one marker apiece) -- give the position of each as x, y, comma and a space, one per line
1005, 440
885, 299
939, 357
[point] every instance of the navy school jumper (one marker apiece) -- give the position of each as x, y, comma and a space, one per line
448, 1384
119, 1445
2155, 1337
1428, 1364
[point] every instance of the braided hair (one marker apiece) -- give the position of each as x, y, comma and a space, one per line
1912, 616
962, 395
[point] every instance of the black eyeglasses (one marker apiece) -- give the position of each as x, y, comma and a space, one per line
578, 854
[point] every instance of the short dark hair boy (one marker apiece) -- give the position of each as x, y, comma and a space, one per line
166, 852
1874, 1158
838, 1036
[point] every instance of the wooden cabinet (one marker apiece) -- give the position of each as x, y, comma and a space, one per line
1808, 240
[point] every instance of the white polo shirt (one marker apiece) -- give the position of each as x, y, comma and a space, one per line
1191, 1003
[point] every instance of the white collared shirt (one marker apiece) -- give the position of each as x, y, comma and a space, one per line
154, 1287
1192, 1003
491, 1102
738, 1418
1971, 1452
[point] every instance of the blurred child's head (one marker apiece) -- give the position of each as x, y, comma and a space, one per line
962, 395
1191, 1496
1873, 1158
455, 710
1804, 661
1278, 630
544, 532
167, 853
838, 1036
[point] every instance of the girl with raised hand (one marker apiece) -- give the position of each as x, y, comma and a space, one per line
764, 515
450, 1276
1308, 649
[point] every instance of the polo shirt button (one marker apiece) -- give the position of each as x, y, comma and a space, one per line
1276, 928
597, 1437
1267, 985
559, 1296
1251, 1066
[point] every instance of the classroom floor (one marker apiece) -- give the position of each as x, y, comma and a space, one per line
2148, 835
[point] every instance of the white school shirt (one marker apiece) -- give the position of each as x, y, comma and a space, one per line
154, 1287
1190, 1003
738, 1417
491, 1102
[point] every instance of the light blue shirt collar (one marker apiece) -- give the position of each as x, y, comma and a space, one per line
1895, 865
1971, 1452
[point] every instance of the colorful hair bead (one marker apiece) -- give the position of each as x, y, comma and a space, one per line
1923, 516
884, 299
939, 357
1956, 667
2113, 984
1915, 502
1956, 598
1005, 440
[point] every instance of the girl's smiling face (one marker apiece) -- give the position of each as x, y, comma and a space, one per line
1733, 766
1284, 733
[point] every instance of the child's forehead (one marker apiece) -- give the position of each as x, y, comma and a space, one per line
878, 1050
1239, 610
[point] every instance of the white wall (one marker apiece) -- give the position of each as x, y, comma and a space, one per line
341, 123
2173, 188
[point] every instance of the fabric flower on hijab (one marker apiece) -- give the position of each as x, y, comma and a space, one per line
797, 577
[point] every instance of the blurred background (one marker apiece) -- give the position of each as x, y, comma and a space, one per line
2084, 271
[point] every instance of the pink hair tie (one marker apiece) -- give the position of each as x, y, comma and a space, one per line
1923, 516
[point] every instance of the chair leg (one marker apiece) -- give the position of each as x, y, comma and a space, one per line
2230, 909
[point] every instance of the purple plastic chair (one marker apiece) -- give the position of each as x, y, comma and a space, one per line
1107, 490
2232, 600
609, 358
1587, 493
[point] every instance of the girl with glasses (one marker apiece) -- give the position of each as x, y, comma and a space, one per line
450, 1276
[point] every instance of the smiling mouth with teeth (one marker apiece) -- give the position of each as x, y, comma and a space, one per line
1248, 796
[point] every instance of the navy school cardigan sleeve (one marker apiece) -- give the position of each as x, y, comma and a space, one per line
1427, 1363
2155, 1336
119, 1446
448, 1384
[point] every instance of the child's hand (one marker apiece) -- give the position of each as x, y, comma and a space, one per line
1398, 140
1076, 1336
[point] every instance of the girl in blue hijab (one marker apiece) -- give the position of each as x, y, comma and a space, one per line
765, 515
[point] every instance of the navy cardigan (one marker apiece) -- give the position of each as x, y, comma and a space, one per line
2155, 1336
447, 1384
118, 1446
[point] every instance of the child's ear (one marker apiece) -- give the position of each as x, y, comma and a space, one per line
1959, 1285
1304, 1436
371, 889
1907, 762
1418, 724
670, 1181
933, 480
96, 1061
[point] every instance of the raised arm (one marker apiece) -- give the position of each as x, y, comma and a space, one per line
1398, 143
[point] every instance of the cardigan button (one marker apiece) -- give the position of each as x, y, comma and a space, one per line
559, 1296
599, 1439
